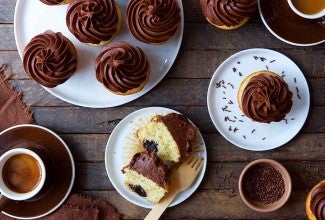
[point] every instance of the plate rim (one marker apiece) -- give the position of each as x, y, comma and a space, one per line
210, 89
178, 44
281, 38
72, 169
198, 181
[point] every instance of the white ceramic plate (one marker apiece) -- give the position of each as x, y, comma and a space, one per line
116, 150
32, 17
240, 130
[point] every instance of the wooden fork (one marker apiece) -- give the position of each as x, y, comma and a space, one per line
181, 179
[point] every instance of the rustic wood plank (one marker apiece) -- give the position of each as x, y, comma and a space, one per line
212, 205
218, 176
199, 36
200, 63
7, 37
185, 92
86, 120
7, 9
304, 147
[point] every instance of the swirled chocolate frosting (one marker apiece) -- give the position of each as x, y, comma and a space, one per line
153, 21
266, 98
227, 12
92, 21
50, 59
183, 131
317, 203
150, 166
52, 2
121, 67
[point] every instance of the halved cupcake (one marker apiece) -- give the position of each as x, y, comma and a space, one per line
315, 202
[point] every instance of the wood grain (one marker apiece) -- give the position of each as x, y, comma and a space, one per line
219, 175
212, 205
304, 147
85, 120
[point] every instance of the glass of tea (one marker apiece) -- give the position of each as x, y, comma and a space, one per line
310, 9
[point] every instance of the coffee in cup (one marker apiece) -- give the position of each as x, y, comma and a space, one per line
310, 9
23, 174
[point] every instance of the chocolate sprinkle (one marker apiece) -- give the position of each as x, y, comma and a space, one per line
225, 109
295, 80
255, 57
229, 128
232, 86
241, 120
253, 131
298, 96
240, 74
272, 61
262, 59
235, 129
283, 75
267, 67
230, 102
263, 139
244, 136
297, 89
263, 183
238, 62
234, 69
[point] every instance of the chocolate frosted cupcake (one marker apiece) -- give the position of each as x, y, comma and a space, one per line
94, 22
228, 14
50, 59
122, 68
146, 175
55, 2
315, 203
153, 21
265, 97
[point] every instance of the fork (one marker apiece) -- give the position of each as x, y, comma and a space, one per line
181, 179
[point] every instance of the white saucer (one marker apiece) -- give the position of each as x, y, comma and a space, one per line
240, 130
115, 155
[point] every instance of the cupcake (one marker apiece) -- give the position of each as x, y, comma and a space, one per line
55, 2
94, 22
50, 59
122, 68
228, 14
170, 136
153, 21
315, 202
146, 175
264, 97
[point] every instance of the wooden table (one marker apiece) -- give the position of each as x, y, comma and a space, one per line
204, 47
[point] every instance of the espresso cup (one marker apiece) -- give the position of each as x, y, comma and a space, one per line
23, 174
316, 15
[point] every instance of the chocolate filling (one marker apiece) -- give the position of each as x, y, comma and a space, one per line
139, 190
151, 146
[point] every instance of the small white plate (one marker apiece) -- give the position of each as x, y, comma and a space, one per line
116, 150
32, 17
239, 129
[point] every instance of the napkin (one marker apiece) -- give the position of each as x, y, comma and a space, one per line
12, 110
80, 207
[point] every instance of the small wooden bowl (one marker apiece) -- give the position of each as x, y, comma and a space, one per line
261, 207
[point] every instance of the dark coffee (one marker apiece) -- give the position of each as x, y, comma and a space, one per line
309, 7
21, 173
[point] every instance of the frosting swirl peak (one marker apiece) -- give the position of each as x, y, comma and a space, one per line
266, 98
227, 12
153, 21
317, 203
93, 21
50, 59
122, 68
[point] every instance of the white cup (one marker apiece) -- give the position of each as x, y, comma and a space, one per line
308, 16
8, 193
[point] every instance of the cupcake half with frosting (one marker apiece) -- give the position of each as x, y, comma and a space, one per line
153, 21
228, 14
50, 59
122, 68
264, 97
94, 22
315, 202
